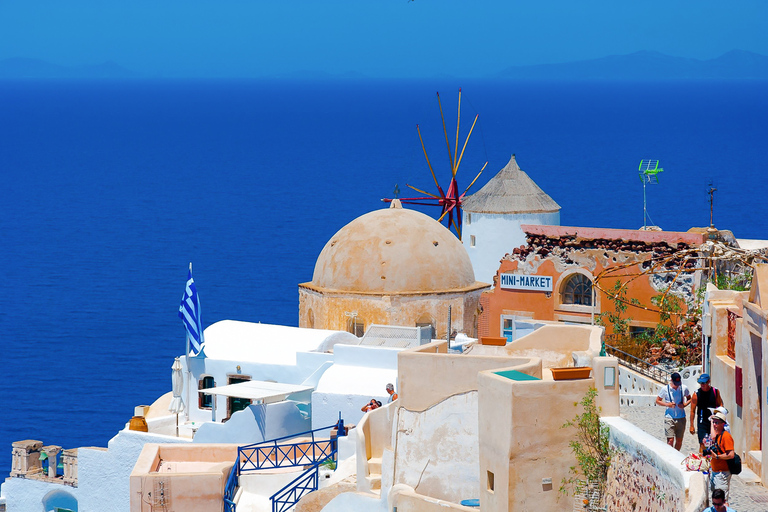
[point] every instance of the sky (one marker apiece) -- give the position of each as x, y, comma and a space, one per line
375, 38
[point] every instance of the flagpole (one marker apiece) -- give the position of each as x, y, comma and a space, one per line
189, 371
189, 378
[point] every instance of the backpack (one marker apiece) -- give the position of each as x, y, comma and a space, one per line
734, 464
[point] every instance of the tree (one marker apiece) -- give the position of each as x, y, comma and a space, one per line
592, 450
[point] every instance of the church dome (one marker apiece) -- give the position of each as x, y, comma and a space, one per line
391, 251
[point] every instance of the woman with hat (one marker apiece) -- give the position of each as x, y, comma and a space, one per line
720, 453
702, 403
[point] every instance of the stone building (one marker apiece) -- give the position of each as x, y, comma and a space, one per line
493, 216
736, 342
551, 278
392, 266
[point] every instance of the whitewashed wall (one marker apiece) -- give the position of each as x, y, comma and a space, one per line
358, 374
255, 424
495, 236
103, 477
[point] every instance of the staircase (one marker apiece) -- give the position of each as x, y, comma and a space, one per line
374, 473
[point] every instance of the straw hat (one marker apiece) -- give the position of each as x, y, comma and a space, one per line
719, 416
718, 409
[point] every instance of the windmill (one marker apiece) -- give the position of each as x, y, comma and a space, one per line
648, 172
450, 201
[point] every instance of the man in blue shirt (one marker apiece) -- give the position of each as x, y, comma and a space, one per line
675, 397
718, 502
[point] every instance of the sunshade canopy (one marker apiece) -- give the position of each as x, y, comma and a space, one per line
266, 392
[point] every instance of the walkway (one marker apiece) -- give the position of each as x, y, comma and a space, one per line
744, 497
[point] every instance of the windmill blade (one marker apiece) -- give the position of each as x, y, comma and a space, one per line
445, 131
456, 147
458, 162
474, 180
425, 156
422, 191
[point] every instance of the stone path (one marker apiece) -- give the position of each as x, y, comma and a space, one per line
743, 497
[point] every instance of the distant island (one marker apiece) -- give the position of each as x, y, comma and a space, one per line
647, 65
37, 69
638, 66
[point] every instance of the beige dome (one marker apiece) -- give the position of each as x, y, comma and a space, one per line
393, 250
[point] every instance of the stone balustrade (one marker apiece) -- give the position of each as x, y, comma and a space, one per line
69, 460
26, 462
26, 458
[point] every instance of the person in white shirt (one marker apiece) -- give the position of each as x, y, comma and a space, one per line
675, 397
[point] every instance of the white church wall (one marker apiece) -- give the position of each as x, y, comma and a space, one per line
25, 495
358, 374
489, 236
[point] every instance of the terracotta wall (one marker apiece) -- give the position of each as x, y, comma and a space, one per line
196, 485
536, 305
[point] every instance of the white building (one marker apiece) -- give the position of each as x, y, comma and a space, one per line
493, 215
252, 382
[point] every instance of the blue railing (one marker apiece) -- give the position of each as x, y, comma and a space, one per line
231, 488
302, 485
272, 454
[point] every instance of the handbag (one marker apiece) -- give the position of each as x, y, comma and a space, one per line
734, 464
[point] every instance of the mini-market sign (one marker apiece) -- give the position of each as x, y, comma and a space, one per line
523, 282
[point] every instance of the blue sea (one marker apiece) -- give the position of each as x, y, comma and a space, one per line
109, 190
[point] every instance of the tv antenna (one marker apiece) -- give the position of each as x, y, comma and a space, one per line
711, 193
648, 171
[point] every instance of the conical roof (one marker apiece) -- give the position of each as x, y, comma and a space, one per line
510, 191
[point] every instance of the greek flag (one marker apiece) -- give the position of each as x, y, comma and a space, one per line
189, 312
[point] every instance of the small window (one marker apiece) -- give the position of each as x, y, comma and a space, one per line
490, 481
471, 240
206, 401
636, 331
578, 290
356, 327
508, 328
469, 218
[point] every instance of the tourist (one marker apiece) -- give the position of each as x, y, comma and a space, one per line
720, 453
675, 397
702, 403
391, 393
373, 404
718, 502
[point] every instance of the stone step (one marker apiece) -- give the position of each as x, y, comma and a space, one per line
755, 463
374, 465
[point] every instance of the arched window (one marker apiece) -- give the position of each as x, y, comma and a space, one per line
577, 290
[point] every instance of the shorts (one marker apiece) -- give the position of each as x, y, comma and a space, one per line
720, 480
674, 427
